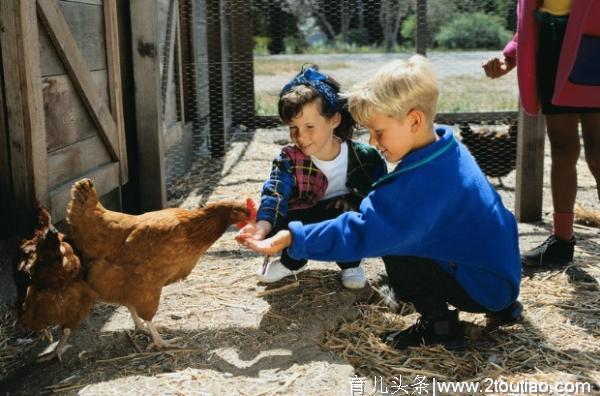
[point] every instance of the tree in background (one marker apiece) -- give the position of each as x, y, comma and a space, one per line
391, 14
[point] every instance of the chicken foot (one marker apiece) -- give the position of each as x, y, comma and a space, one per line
151, 330
159, 343
56, 349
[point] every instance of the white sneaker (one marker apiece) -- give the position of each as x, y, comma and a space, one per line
354, 278
274, 271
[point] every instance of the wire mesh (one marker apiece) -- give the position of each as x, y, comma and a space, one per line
225, 61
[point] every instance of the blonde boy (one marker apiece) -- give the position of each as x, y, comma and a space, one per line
442, 230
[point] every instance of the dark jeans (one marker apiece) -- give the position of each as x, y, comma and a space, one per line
427, 286
323, 210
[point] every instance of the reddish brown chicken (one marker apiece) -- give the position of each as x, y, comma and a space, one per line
52, 277
131, 258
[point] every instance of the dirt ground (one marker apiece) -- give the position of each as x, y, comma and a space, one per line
238, 343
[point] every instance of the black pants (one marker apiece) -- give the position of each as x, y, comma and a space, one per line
551, 35
323, 210
427, 286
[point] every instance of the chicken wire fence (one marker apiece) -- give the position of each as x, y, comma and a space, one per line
223, 63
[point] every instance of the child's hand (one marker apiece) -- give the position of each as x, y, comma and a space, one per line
256, 231
341, 203
495, 68
270, 246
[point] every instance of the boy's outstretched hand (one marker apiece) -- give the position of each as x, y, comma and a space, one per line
495, 68
269, 246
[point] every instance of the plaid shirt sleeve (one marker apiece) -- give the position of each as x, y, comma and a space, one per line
277, 190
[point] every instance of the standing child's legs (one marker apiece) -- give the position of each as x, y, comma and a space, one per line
430, 289
564, 148
590, 125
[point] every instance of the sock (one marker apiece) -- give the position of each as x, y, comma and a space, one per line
563, 225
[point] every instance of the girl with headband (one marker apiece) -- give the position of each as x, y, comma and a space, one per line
321, 174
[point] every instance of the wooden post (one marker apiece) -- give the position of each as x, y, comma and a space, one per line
6, 194
421, 33
114, 81
215, 78
146, 72
242, 46
530, 167
24, 105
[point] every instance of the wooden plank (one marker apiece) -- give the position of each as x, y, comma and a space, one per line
69, 53
178, 67
23, 95
114, 81
242, 45
144, 32
530, 168
440, 118
421, 35
90, 2
86, 24
67, 120
215, 78
105, 178
6, 193
187, 63
168, 86
74, 160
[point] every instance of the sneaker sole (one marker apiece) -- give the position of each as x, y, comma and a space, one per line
354, 287
529, 263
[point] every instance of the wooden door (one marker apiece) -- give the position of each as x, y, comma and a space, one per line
71, 89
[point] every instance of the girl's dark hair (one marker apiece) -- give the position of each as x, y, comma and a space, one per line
292, 101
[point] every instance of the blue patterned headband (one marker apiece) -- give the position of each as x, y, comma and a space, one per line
315, 79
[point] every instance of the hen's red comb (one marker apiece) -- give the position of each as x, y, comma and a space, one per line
251, 206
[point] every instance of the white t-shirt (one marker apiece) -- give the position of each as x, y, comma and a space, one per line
335, 171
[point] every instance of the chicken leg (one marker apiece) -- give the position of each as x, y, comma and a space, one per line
159, 343
56, 349
139, 325
151, 330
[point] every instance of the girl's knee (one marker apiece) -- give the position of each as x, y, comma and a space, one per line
565, 155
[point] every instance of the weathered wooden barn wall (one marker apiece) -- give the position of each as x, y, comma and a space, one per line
72, 126
76, 147
61, 115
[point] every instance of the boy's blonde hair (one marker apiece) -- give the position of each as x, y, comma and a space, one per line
395, 89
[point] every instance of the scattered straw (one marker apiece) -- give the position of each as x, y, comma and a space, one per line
268, 292
558, 339
587, 217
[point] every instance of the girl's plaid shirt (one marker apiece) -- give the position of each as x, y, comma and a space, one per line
296, 182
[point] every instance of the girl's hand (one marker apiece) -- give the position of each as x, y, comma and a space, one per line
270, 246
495, 68
256, 231
342, 204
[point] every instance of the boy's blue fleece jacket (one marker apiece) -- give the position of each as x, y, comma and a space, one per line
436, 204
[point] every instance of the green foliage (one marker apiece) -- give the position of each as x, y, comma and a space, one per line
294, 44
409, 28
473, 31
261, 45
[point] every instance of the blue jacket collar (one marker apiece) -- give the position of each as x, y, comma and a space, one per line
423, 155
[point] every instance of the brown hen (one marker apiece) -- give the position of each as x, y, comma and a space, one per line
131, 258
55, 292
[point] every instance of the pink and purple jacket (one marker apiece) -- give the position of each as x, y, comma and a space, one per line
578, 76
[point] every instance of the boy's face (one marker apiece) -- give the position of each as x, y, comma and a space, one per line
392, 137
313, 133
